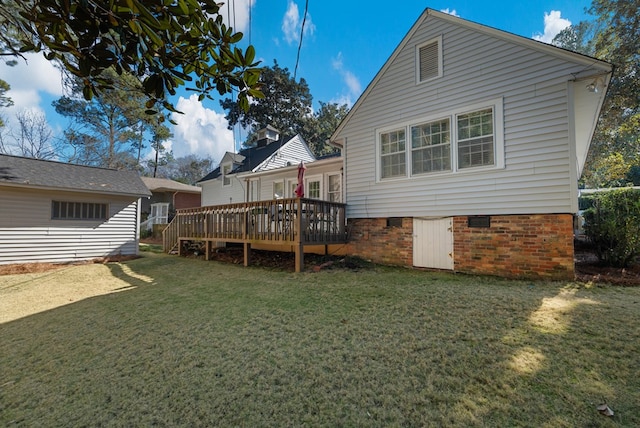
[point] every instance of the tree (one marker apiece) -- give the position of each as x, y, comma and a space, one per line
285, 105
33, 137
613, 37
188, 169
607, 171
105, 130
5, 101
164, 44
318, 128
161, 156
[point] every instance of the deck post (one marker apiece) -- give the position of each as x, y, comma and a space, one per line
247, 253
299, 246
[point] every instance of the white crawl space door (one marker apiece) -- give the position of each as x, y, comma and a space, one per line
433, 243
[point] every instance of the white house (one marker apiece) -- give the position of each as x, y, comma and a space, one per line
465, 150
59, 212
269, 171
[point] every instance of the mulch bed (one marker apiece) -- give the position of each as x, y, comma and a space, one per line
589, 270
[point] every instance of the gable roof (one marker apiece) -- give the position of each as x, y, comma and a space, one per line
18, 171
166, 185
254, 158
593, 66
245, 160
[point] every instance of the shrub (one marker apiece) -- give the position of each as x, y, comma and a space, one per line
612, 225
145, 233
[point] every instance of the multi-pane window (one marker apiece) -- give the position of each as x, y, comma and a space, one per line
78, 211
453, 142
431, 147
393, 157
313, 191
335, 191
475, 139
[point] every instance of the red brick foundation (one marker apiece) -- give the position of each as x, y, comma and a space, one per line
516, 246
513, 246
374, 239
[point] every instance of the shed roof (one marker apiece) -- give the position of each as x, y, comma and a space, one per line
166, 185
19, 171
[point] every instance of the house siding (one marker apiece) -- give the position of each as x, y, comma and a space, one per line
213, 193
27, 233
478, 68
292, 152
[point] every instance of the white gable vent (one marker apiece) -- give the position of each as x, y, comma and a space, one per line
429, 60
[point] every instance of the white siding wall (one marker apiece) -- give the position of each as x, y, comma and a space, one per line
213, 193
477, 68
293, 151
27, 233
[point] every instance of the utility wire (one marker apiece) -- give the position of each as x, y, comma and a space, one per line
304, 19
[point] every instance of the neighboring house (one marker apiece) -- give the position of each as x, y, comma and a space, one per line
166, 197
244, 176
465, 151
59, 212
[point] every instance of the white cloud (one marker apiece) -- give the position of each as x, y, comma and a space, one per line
353, 86
200, 131
553, 24
450, 12
292, 24
28, 80
236, 13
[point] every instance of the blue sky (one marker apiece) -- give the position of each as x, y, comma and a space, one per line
344, 45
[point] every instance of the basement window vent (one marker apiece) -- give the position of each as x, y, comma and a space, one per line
479, 221
394, 222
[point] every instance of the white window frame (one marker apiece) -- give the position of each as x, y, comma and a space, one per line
310, 179
338, 192
226, 169
437, 40
254, 189
290, 188
275, 194
413, 150
498, 135
379, 155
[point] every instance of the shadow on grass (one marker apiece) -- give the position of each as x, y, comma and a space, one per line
209, 344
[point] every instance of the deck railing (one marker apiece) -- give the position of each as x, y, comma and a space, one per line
295, 220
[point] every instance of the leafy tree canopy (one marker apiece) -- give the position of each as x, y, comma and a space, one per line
164, 44
287, 106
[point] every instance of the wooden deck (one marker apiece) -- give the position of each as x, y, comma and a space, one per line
295, 221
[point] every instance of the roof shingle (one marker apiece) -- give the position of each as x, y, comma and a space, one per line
36, 173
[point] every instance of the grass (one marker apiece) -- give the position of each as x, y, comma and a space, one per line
183, 342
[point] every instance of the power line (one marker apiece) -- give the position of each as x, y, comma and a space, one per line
304, 19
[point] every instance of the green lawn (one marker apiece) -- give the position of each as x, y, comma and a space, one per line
184, 342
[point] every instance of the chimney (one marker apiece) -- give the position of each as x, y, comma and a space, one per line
267, 136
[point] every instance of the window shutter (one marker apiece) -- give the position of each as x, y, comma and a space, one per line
429, 67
